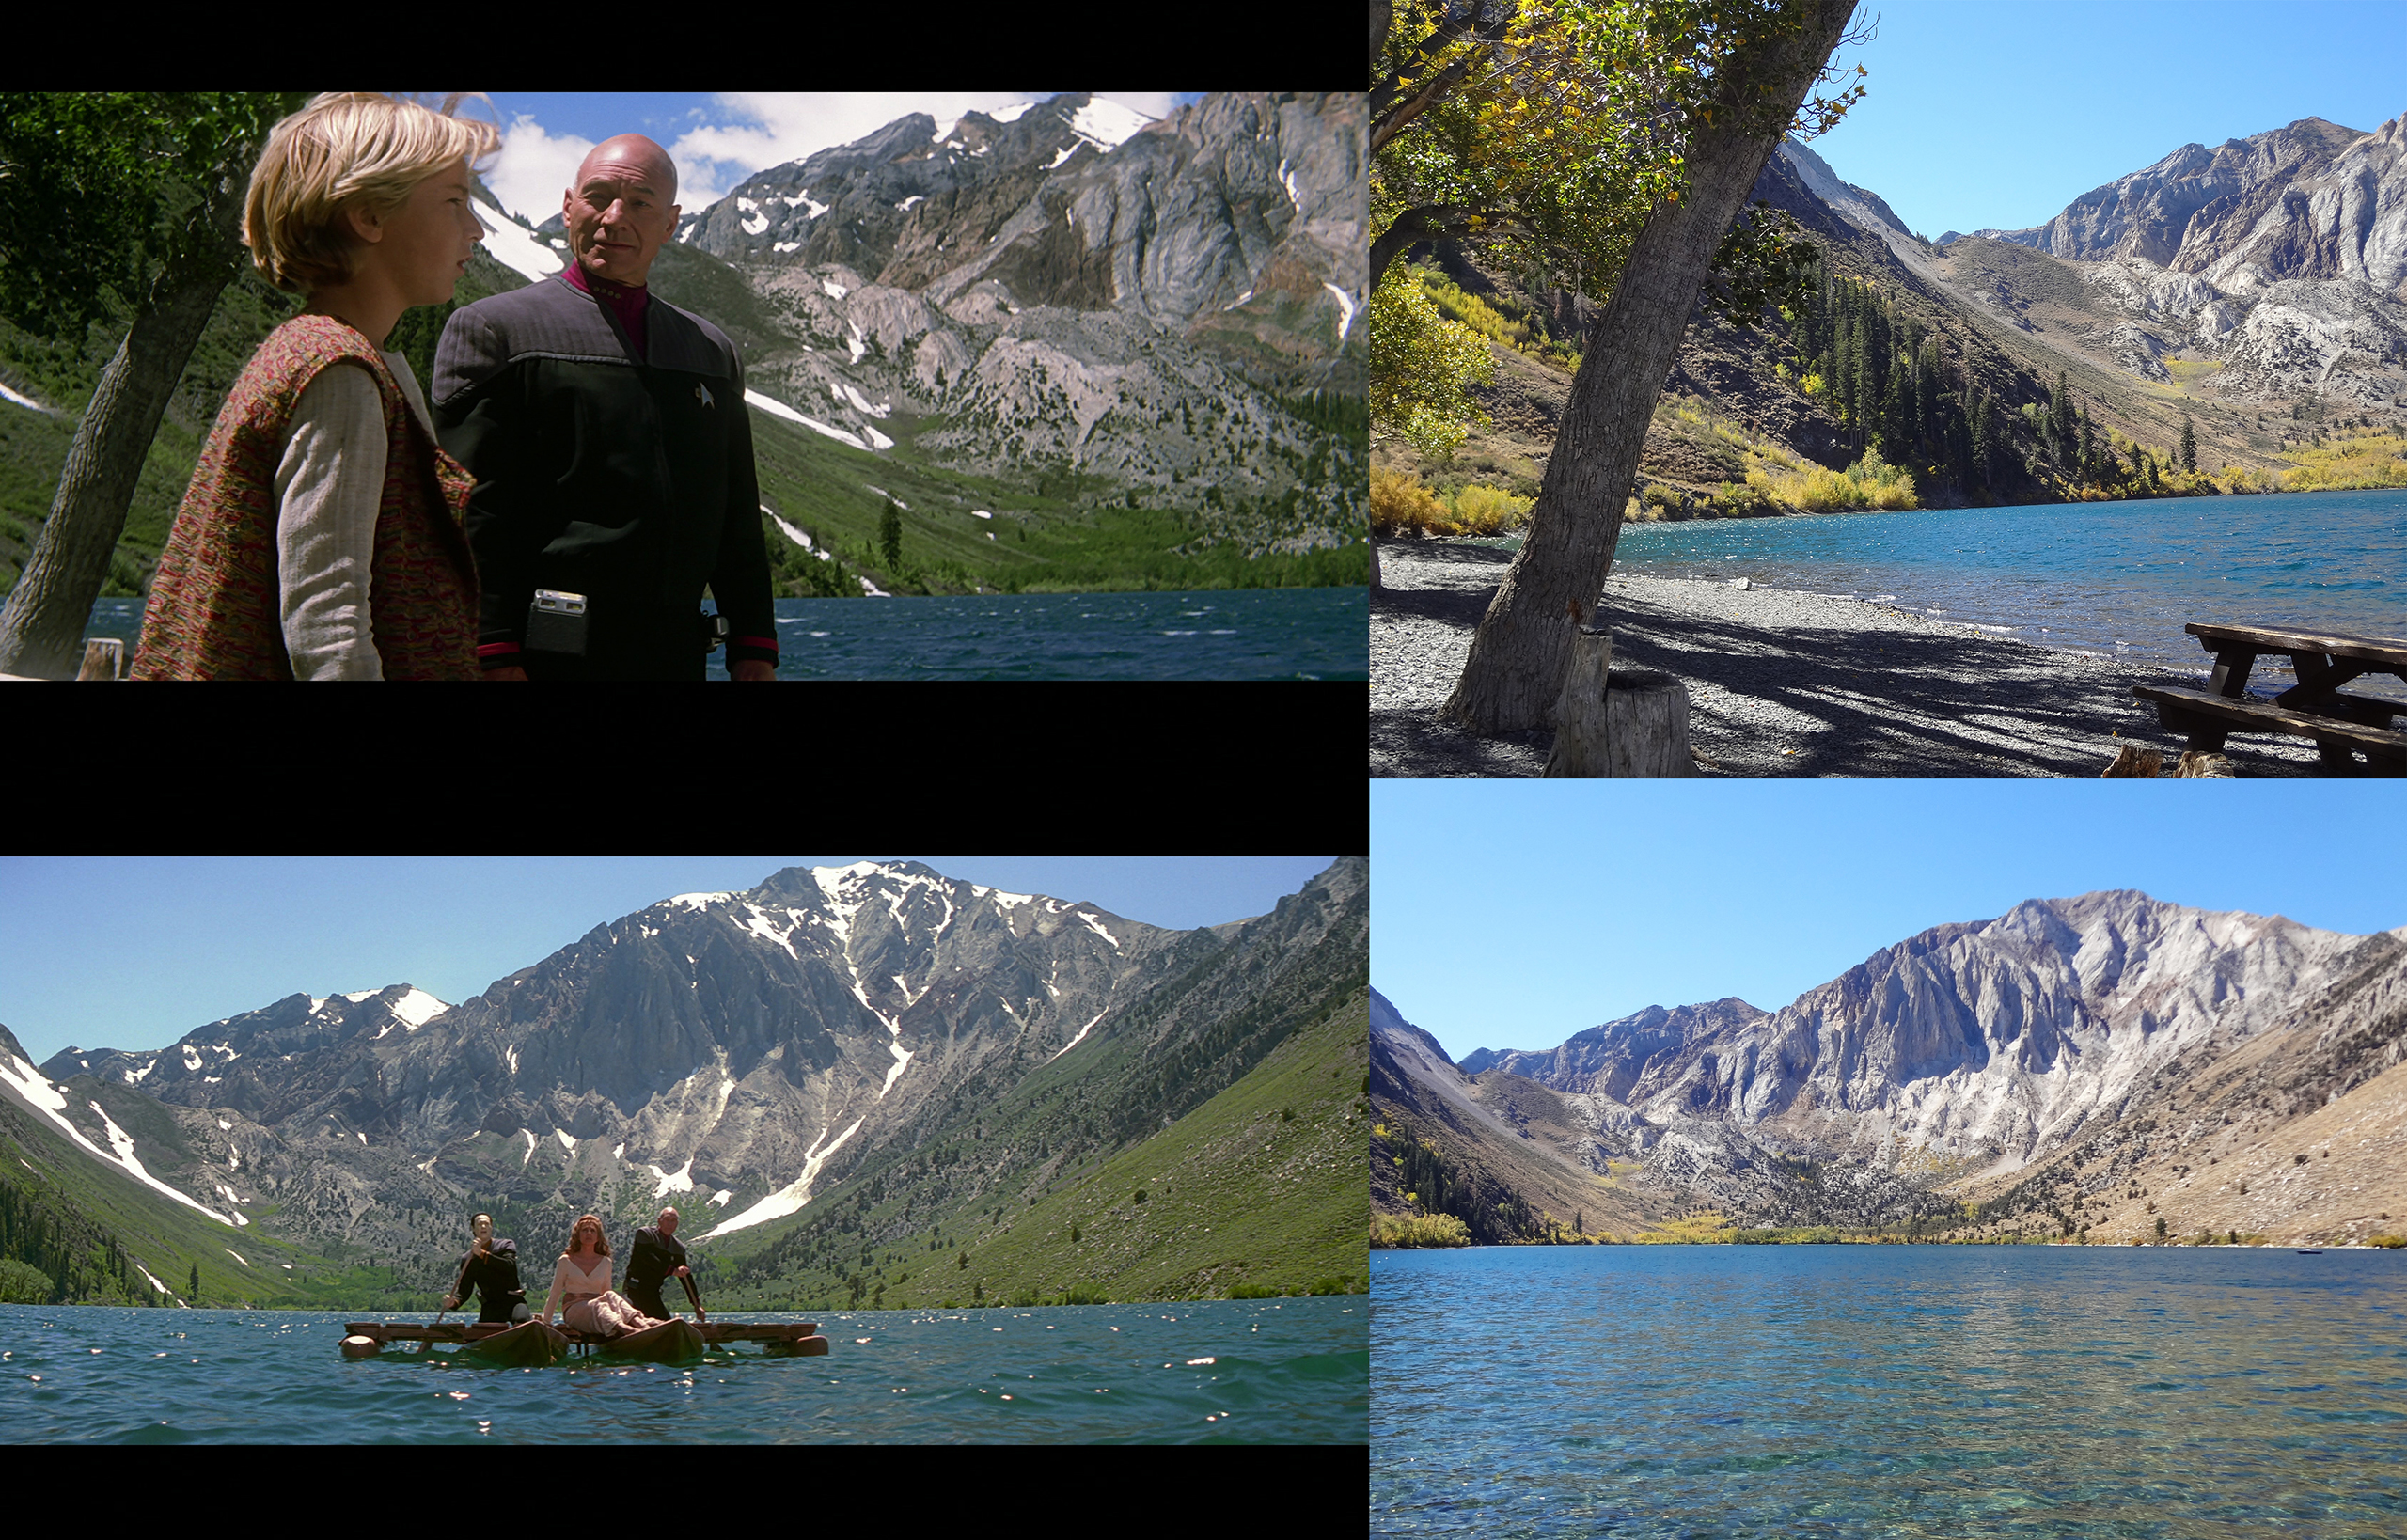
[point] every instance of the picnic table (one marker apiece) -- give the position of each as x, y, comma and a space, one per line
2341, 724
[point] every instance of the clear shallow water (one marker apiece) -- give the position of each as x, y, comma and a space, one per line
2118, 578
1907, 1391
1228, 634
1289, 1371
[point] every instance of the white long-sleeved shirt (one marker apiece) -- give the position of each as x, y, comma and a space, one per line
573, 1276
328, 484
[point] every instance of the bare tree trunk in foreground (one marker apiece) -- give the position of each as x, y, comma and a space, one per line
42, 627
1523, 645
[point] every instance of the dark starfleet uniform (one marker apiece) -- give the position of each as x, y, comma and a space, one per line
652, 1259
494, 1278
626, 479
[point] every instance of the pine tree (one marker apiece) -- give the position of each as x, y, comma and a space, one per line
889, 538
193, 1288
2189, 446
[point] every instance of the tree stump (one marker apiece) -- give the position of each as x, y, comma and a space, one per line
1375, 564
103, 658
1619, 723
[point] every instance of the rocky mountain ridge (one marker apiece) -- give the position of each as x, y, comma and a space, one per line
1076, 291
741, 1054
1965, 1060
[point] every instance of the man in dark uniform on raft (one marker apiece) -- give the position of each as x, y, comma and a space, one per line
489, 1271
656, 1255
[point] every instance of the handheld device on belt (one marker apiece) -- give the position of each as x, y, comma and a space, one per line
555, 623
714, 631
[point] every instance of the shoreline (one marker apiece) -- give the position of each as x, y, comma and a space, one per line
1780, 683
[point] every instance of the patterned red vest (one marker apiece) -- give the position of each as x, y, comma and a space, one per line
213, 610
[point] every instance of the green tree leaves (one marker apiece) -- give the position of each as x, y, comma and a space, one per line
1423, 367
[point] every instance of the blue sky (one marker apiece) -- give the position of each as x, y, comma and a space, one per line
133, 953
1513, 914
718, 138
1997, 115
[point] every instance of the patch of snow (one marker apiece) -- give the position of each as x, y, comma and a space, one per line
568, 1140
192, 1059
859, 402
1106, 124
680, 1180
363, 1139
856, 342
904, 207
873, 590
1065, 155
135, 1077
530, 1148
832, 289
719, 1199
803, 198
800, 539
236, 1255
228, 1127
513, 1059
754, 225
515, 246
761, 927
1240, 300
1289, 177
1345, 303
902, 1063
1010, 114
876, 439
746, 204
980, 513
794, 1197
316, 1004
698, 902
363, 994
883, 493
619, 1154
1082, 1034
1095, 925
982, 149
48, 1100
152, 1276
26, 402
786, 246
779, 409
417, 1008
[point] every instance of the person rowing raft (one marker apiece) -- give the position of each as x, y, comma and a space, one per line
490, 1270
656, 1256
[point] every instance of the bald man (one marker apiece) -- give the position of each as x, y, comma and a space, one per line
656, 1256
612, 452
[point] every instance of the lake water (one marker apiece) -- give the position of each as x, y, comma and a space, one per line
1291, 1371
1225, 634
1661, 1390
2118, 578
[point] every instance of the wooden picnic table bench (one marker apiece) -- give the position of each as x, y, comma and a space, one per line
2343, 725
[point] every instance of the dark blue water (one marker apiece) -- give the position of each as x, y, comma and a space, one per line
1665, 1391
1290, 1370
2118, 578
1228, 634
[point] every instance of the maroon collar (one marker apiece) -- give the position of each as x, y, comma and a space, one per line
627, 301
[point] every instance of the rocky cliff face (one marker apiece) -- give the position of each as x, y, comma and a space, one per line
1972, 1055
2283, 256
1078, 291
737, 1053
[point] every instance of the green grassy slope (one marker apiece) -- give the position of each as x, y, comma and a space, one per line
1261, 1187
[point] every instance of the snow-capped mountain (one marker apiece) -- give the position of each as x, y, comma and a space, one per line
1076, 290
738, 1053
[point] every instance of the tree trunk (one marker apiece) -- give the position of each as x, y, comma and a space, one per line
1523, 646
42, 628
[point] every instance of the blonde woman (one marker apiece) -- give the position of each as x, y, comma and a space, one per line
321, 537
582, 1280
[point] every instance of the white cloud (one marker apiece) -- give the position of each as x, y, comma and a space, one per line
534, 169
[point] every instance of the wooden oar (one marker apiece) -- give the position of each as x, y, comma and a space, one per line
457, 1284
687, 1279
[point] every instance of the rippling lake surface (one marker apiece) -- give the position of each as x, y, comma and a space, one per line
1266, 1371
1888, 1391
2118, 578
1226, 633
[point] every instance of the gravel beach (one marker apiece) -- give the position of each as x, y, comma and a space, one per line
1779, 683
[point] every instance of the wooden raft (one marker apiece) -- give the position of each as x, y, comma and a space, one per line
801, 1338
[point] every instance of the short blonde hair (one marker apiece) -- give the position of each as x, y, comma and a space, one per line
345, 149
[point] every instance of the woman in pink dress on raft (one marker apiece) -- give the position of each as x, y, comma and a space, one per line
583, 1281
